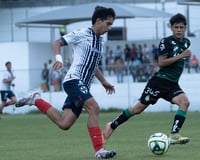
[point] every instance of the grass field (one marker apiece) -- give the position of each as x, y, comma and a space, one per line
34, 137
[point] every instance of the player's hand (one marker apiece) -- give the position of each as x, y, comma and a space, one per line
186, 53
109, 88
13, 78
57, 65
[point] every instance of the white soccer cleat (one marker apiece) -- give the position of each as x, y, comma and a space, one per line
178, 139
104, 154
29, 100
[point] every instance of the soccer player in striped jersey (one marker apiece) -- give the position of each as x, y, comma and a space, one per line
164, 83
87, 51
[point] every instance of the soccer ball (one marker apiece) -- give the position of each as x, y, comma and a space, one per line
158, 143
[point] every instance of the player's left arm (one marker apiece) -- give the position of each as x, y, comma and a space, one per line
109, 87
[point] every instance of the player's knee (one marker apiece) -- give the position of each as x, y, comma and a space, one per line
135, 111
139, 108
14, 101
93, 110
65, 127
186, 104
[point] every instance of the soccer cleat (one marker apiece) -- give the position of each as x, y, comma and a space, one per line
29, 100
107, 132
104, 154
178, 139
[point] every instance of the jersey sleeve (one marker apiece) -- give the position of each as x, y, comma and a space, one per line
73, 37
6, 76
187, 43
164, 47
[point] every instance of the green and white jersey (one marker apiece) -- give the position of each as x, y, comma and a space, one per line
171, 47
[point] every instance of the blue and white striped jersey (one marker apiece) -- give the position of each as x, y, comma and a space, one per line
87, 49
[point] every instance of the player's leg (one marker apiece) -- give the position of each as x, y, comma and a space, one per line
12, 100
150, 95
2, 106
94, 129
7, 95
3, 101
183, 103
123, 117
63, 121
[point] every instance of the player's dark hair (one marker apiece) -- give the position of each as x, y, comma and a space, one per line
178, 18
7, 63
103, 13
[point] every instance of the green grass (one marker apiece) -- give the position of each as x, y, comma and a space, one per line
35, 137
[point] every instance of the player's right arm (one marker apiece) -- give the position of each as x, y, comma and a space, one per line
164, 48
56, 46
164, 61
8, 79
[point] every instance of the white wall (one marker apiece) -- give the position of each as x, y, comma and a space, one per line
39, 53
126, 95
18, 54
27, 62
195, 46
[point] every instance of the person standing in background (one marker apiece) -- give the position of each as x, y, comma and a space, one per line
119, 68
6, 90
45, 78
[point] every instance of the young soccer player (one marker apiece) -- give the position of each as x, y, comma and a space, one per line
6, 89
87, 52
164, 83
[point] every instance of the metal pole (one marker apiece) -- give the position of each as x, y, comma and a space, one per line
156, 22
11, 26
163, 9
27, 30
188, 19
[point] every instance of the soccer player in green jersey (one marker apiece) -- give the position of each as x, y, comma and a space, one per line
164, 83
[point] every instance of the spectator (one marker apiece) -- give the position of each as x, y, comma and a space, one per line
127, 66
127, 52
49, 66
45, 78
140, 53
134, 53
187, 64
118, 52
154, 53
119, 70
56, 80
194, 63
110, 62
146, 53
135, 66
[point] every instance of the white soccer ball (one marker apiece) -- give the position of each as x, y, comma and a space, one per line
158, 143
